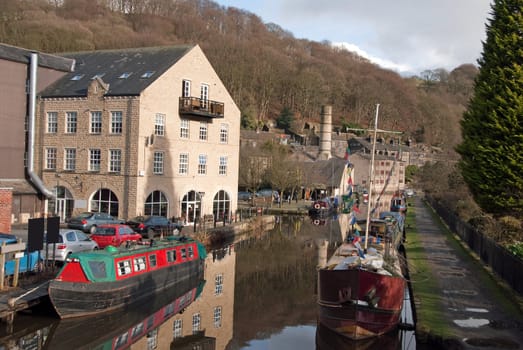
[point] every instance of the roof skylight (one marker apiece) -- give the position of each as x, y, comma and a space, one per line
77, 77
99, 75
125, 75
148, 74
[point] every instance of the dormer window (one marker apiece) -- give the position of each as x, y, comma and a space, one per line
77, 77
99, 75
125, 75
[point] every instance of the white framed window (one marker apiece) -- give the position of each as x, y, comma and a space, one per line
224, 133
152, 339
203, 131
124, 267
204, 96
202, 164
96, 122
70, 159
71, 122
186, 88
159, 124
95, 159
52, 122
115, 160
177, 328
222, 168
218, 284
196, 322
139, 263
116, 122
158, 162
217, 317
50, 158
184, 128
183, 167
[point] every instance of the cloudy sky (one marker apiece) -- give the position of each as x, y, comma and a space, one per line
408, 36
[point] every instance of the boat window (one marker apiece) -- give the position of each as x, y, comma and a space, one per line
121, 341
139, 263
152, 260
98, 269
171, 255
137, 330
183, 253
191, 252
124, 267
168, 310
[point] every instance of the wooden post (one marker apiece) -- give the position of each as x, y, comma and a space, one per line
17, 268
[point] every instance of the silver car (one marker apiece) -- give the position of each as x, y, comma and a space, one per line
69, 241
88, 221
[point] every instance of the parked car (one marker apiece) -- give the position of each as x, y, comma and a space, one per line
88, 221
28, 262
114, 234
409, 192
268, 193
244, 196
153, 225
69, 241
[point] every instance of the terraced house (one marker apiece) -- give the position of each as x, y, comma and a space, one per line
140, 131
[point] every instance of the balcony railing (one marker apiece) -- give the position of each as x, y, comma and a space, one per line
200, 107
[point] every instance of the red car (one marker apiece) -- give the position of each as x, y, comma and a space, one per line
115, 235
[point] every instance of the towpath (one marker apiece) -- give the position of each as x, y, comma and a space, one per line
479, 312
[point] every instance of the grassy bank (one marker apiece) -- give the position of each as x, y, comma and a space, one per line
430, 321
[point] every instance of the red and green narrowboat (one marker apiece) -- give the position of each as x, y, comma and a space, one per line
92, 283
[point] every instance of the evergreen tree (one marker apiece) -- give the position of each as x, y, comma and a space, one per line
492, 126
285, 119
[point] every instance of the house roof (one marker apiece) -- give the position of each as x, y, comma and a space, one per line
328, 173
18, 54
127, 72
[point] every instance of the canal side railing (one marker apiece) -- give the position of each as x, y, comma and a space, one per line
505, 264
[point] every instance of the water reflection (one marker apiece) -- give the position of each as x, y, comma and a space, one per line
259, 293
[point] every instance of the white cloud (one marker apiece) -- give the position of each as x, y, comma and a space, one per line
404, 35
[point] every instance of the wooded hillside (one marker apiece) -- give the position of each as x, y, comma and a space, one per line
265, 68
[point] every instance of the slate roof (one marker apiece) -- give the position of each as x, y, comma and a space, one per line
110, 65
324, 172
17, 54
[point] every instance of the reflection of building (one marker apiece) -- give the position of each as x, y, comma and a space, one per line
209, 320
140, 131
21, 71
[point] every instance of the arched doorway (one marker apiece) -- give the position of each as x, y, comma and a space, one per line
104, 201
221, 206
62, 205
156, 204
191, 206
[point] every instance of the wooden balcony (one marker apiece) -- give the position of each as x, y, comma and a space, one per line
193, 106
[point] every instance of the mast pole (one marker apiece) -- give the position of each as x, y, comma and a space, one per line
371, 180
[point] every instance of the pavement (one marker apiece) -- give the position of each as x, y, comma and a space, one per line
481, 313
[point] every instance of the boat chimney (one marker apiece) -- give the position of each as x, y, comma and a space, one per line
325, 133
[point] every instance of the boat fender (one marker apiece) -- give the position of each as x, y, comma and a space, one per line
316, 222
316, 206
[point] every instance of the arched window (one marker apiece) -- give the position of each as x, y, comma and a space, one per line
221, 206
191, 206
104, 201
156, 204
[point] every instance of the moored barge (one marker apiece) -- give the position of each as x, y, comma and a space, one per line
92, 283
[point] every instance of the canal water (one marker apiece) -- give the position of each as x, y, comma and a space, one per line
259, 293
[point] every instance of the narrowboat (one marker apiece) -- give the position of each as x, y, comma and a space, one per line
92, 283
361, 291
